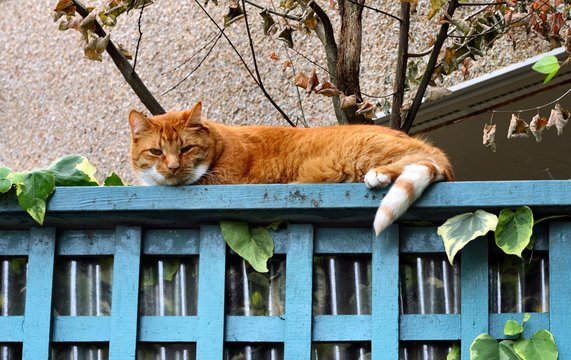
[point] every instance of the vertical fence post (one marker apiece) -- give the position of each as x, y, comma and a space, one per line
474, 291
560, 286
37, 318
125, 296
385, 294
299, 276
211, 284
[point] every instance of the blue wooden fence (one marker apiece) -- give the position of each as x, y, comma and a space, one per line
130, 224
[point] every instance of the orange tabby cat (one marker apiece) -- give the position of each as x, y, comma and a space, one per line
183, 148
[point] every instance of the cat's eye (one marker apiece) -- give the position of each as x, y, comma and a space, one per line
185, 149
156, 152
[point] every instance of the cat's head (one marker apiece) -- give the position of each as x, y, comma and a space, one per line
171, 149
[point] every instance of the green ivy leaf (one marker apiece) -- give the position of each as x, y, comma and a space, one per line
5, 181
73, 170
461, 229
526, 317
547, 65
484, 347
170, 268
541, 346
435, 5
113, 180
33, 190
454, 353
507, 351
255, 246
514, 230
512, 328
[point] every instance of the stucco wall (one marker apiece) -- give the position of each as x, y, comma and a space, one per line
54, 102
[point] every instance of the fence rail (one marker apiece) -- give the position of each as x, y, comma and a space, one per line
143, 272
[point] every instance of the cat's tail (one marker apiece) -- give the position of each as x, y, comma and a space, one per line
407, 187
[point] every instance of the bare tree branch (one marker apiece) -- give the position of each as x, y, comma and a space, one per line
429, 71
402, 61
125, 68
277, 13
139, 39
376, 10
260, 82
216, 37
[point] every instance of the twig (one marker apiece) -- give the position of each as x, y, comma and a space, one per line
299, 100
377, 10
125, 68
216, 37
482, 4
260, 82
139, 39
429, 71
195, 68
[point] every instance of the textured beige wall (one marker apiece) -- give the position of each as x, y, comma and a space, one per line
54, 102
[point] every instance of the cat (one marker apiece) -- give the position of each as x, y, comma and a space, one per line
179, 148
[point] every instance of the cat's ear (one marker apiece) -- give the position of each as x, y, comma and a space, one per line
138, 122
193, 117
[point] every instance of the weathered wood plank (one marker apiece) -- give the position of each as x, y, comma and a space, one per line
14, 243
39, 280
125, 296
81, 328
560, 286
385, 294
169, 329
474, 284
171, 242
11, 329
255, 329
298, 309
86, 242
423, 327
338, 328
536, 322
211, 284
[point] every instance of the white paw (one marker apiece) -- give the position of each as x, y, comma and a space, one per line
376, 180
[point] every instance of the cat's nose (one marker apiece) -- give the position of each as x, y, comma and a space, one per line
173, 165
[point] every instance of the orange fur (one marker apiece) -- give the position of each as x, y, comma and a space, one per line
221, 154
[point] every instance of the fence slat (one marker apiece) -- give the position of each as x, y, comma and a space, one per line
169, 329
211, 284
385, 293
298, 309
560, 286
125, 304
417, 327
39, 280
255, 329
81, 328
14, 243
474, 291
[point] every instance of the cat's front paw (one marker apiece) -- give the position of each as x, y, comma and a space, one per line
374, 179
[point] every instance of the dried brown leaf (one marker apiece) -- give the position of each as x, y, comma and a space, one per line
347, 101
312, 81
518, 128
558, 118
301, 80
90, 50
537, 125
285, 35
286, 64
557, 22
366, 109
274, 56
64, 7
88, 23
327, 89
101, 43
489, 138
126, 53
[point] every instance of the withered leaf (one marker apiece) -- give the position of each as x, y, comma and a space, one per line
537, 125
90, 50
327, 89
64, 7
435, 6
366, 109
568, 41
518, 128
312, 81
301, 80
286, 64
558, 118
557, 22
288, 4
519, 19
274, 56
126, 53
347, 101
269, 22
286, 36
88, 23
234, 14
101, 43
489, 139
460, 24
69, 24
